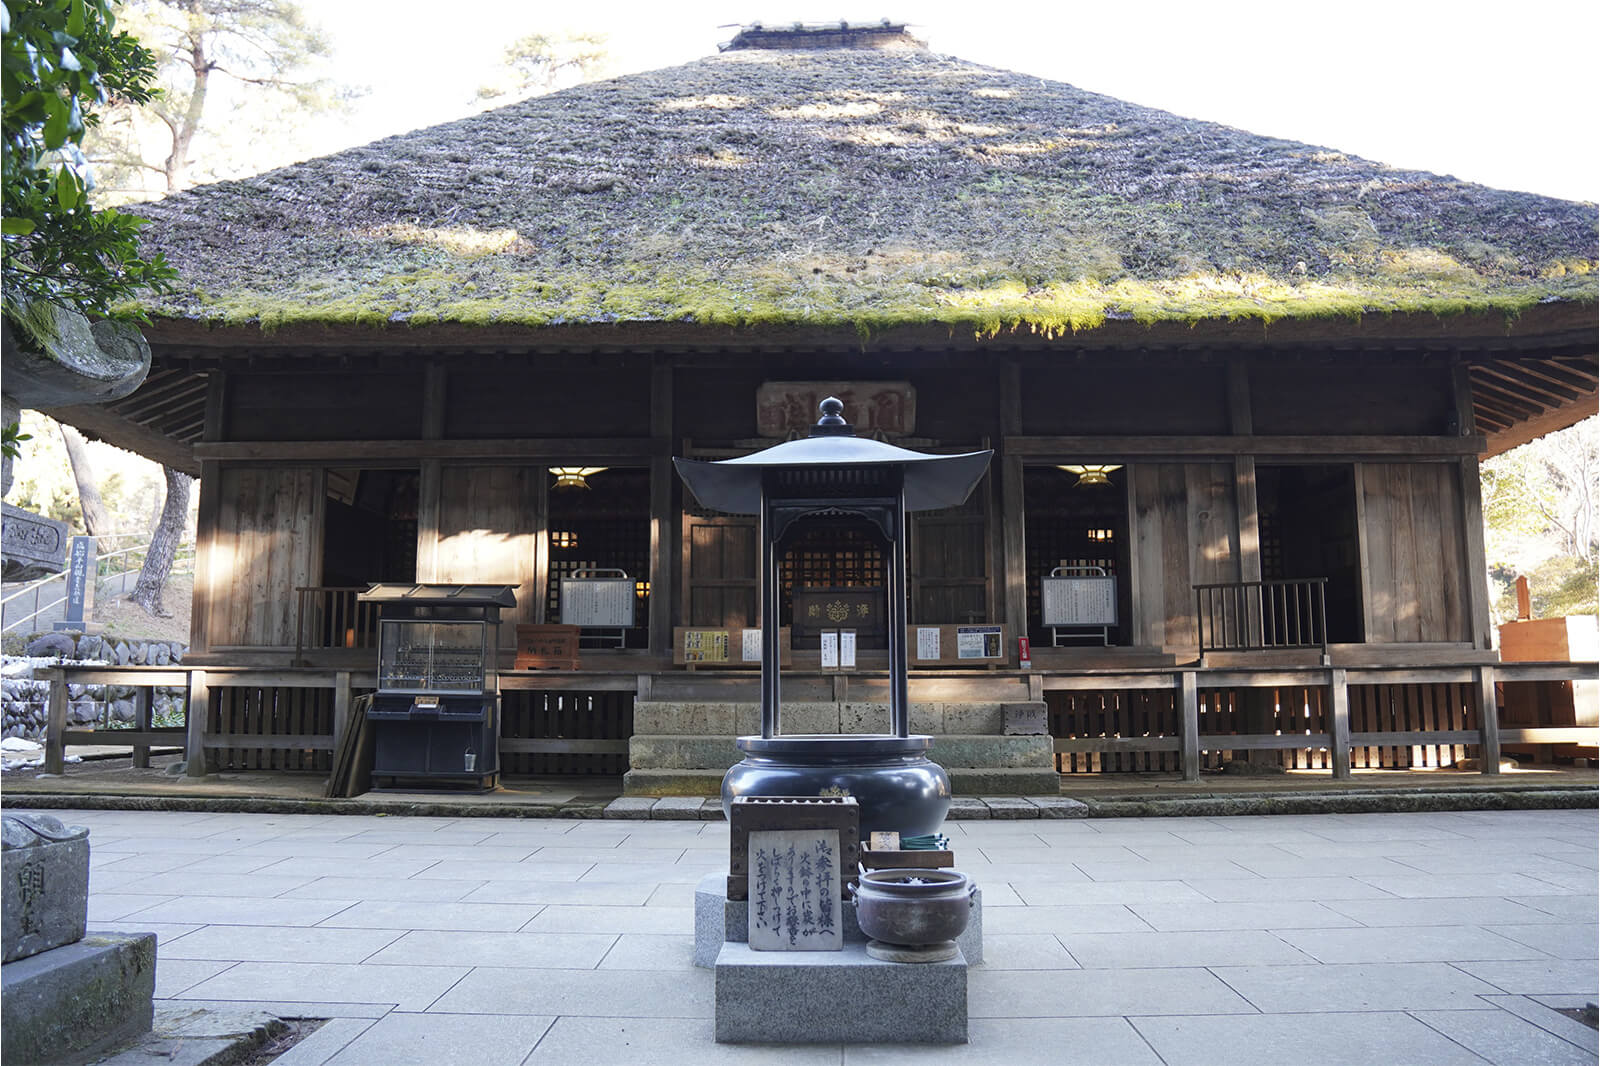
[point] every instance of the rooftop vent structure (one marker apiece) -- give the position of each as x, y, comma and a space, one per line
797, 36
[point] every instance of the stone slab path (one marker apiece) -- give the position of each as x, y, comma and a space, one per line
1429, 938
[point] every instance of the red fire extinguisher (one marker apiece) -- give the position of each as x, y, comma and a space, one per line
1024, 653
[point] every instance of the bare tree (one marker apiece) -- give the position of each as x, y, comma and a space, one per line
149, 589
94, 510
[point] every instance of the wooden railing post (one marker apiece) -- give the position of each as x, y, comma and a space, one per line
55, 727
143, 697
199, 710
1339, 727
1189, 715
1488, 721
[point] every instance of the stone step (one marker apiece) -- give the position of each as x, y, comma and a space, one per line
669, 717
963, 782
706, 752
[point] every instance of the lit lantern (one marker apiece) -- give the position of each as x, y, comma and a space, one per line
573, 477
1091, 473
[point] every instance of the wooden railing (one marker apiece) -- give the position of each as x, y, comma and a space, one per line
1262, 615
329, 616
1332, 712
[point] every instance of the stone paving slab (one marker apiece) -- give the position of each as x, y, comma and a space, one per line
1072, 962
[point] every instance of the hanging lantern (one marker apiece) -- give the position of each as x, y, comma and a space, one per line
573, 477
1091, 473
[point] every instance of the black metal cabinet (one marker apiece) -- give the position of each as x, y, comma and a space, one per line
436, 714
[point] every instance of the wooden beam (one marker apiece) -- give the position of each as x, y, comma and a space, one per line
1539, 391
207, 558
1548, 422
1263, 741
341, 704
1588, 738
562, 746
1403, 739
1065, 746
100, 423
429, 484
1064, 449
355, 451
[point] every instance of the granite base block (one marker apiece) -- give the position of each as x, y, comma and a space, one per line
837, 997
44, 890
719, 920
72, 1001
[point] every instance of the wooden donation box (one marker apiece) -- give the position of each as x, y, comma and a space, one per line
547, 647
1550, 704
861, 608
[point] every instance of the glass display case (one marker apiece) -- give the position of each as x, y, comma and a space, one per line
436, 715
445, 658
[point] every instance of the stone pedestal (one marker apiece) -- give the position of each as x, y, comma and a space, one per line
833, 997
801, 997
73, 1001
67, 995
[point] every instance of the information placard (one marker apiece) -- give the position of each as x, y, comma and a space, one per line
598, 602
1078, 601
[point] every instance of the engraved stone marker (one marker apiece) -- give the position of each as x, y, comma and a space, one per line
794, 890
44, 867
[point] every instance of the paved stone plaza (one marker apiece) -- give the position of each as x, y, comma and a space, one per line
1434, 938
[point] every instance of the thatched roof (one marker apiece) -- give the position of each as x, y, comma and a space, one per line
853, 188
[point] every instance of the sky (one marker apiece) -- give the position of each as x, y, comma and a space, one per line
1492, 92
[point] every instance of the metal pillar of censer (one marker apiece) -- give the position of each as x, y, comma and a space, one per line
835, 474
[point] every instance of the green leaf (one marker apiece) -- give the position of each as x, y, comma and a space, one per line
56, 122
68, 191
75, 19
22, 226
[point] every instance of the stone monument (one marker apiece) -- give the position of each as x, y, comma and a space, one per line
64, 994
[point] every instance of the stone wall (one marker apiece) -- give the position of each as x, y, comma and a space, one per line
25, 702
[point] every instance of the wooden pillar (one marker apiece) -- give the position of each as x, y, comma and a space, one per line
1488, 721
1015, 545
143, 697
207, 561
199, 709
435, 388
1012, 539
1189, 715
663, 516
55, 724
1339, 724
1477, 575
429, 479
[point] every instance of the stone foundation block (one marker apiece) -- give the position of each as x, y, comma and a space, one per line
1025, 719
71, 1002
833, 997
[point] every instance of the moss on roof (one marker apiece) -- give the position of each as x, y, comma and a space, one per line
855, 188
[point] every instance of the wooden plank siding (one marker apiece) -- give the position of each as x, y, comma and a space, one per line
1185, 533
1414, 565
491, 530
269, 523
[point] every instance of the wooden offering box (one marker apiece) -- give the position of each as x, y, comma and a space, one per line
551, 647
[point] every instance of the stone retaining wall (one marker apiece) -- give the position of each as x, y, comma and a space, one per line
25, 702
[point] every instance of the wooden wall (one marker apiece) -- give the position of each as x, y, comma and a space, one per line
488, 529
1185, 532
1414, 555
269, 527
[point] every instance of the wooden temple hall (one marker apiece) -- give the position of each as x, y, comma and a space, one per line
1237, 390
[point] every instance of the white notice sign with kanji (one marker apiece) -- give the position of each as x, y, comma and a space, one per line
794, 890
